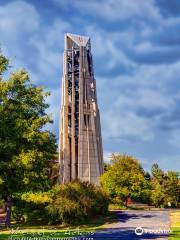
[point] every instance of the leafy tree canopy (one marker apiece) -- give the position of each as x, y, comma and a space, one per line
26, 148
125, 178
165, 187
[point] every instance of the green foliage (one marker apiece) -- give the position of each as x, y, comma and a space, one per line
75, 202
30, 207
125, 178
25, 147
166, 187
156, 172
1, 203
3, 64
36, 198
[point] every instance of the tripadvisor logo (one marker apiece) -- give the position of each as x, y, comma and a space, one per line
139, 231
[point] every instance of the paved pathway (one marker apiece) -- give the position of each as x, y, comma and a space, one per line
127, 222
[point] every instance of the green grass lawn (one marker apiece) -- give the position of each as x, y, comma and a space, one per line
32, 233
175, 226
43, 231
24, 230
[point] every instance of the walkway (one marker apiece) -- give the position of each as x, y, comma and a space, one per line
154, 224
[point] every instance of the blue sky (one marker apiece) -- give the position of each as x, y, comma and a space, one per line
136, 51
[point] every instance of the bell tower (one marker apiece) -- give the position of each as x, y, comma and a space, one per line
81, 155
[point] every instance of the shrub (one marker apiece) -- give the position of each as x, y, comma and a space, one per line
30, 207
73, 202
76, 201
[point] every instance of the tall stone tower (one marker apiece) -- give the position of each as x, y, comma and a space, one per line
81, 154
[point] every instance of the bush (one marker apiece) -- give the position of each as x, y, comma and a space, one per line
75, 202
30, 207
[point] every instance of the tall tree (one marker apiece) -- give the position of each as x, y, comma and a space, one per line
126, 178
172, 187
156, 171
165, 187
26, 148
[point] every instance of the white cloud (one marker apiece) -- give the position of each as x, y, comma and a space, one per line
19, 20
106, 156
54, 101
150, 76
146, 99
174, 138
153, 99
37, 46
144, 47
146, 90
105, 47
147, 47
126, 125
49, 45
115, 10
169, 162
18, 16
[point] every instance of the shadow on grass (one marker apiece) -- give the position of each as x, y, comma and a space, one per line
99, 221
30, 230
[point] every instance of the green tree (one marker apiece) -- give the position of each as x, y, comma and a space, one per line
125, 178
156, 171
26, 148
172, 188
165, 187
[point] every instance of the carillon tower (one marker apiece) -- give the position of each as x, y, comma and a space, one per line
81, 154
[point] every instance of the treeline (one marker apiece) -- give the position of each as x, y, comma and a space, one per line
124, 179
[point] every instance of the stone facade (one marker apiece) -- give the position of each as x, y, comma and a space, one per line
81, 155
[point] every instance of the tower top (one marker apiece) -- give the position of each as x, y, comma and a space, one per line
78, 39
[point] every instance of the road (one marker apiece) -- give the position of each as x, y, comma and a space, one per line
155, 225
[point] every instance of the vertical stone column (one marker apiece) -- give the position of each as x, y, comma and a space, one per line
66, 149
81, 116
73, 162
